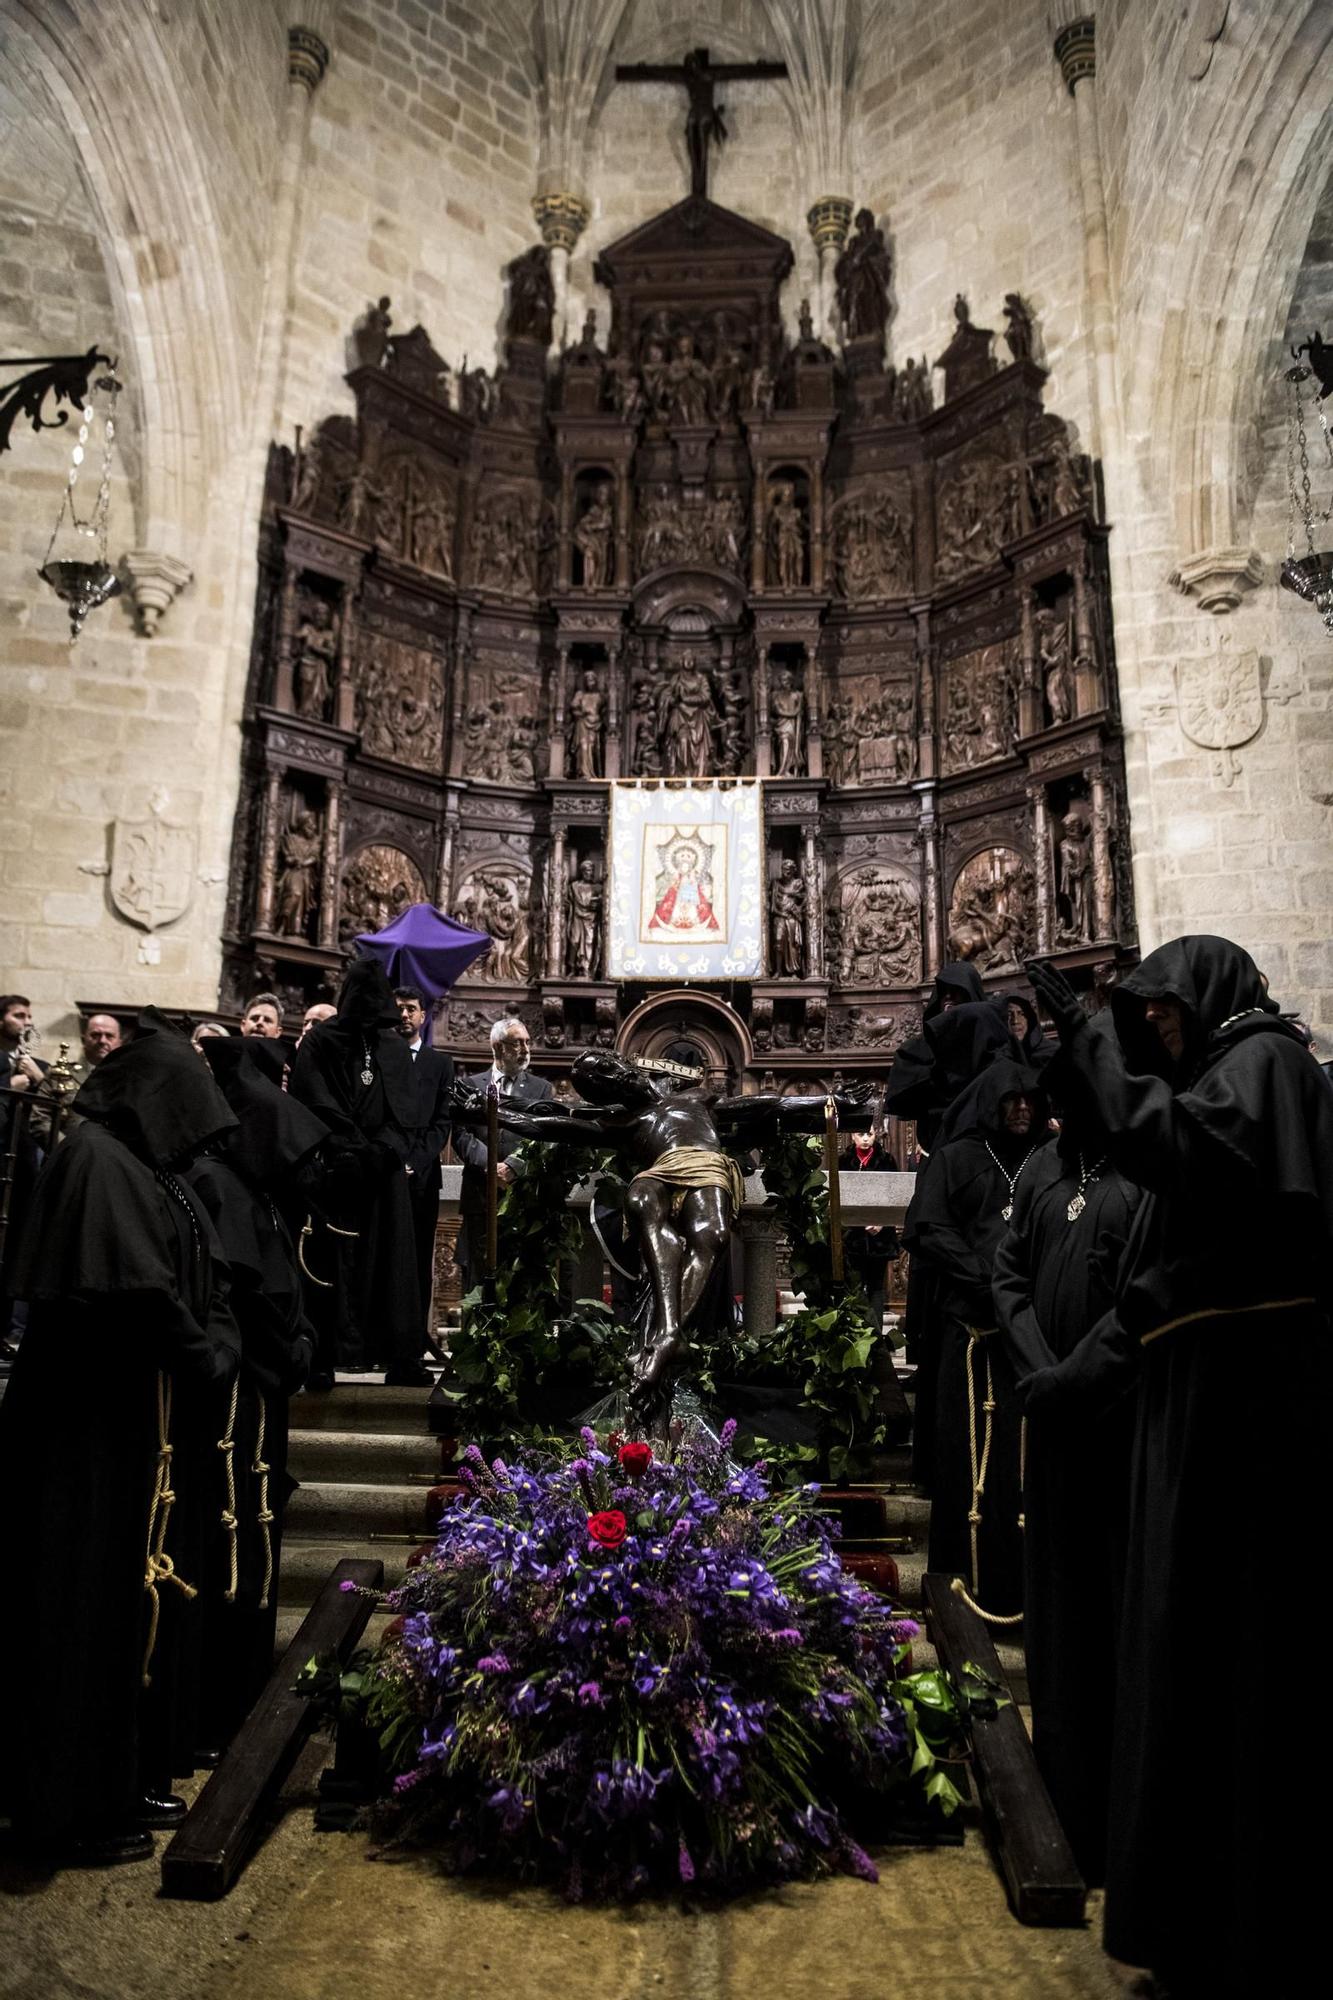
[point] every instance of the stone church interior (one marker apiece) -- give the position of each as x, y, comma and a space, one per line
747, 588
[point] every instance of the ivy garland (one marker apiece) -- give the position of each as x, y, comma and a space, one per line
522, 1367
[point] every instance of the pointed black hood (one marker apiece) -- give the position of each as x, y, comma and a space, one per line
275, 1132
155, 1095
962, 980
964, 1039
1218, 986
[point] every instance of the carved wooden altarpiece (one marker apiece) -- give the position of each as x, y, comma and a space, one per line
702, 549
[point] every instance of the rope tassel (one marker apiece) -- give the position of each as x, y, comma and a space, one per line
227, 1446
158, 1566
261, 1469
980, 1465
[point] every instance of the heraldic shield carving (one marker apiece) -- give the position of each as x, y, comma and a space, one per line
1221, 703
152, 871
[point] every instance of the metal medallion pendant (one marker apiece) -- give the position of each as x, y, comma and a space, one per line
1007, 1212
1076, 1207
367, 1076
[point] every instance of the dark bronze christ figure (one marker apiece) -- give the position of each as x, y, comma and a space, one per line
704, 123
685, 1191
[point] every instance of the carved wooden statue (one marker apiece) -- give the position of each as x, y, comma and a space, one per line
1053, 653
862, 275
296, 879
531, 296
786, 534
686, 720
316, 656
592, 538
587, 716
788, 712
787, 911
1074, 864
583, 922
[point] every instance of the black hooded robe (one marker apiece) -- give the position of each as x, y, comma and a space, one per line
240, 1183
125, 1297
1054, 1282
958, 1043
953, 1228
362, 1293
1220, 1780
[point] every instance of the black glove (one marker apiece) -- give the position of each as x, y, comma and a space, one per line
466, 1101
1058, 997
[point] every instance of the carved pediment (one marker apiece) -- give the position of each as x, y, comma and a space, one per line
695, 230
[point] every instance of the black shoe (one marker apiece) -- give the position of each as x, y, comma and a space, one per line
408, 1375
106, 1850
169, 1811
319, 1383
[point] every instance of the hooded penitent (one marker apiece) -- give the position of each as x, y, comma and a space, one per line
128, 1341
355, 1073
1054, 1282
242, 1182
956, 1040
1225, 1287
958, 1214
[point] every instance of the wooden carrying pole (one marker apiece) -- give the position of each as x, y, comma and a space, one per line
834, 1188
492, 1181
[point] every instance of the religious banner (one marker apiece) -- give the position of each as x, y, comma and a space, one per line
686, 879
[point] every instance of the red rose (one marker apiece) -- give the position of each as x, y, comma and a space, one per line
607, 1530
636, 1458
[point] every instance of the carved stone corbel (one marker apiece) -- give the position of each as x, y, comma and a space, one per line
152, 583
1218, 578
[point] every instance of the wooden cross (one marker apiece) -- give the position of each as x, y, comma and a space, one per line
704, 124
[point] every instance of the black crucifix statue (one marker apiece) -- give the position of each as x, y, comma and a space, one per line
704, 124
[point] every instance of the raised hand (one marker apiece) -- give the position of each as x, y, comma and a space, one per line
1058, 997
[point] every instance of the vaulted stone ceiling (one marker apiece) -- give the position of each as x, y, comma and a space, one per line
570, 49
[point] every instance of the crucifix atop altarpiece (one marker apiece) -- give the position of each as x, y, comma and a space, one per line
704, 123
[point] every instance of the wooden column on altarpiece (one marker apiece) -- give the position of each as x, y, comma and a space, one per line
270, 833
1103, 874
813, 876
925, 695
763, 741
614, 711
329, 869
1031, 705
1041, 850
928, 838
813, 685
556, 747
1089, 694
283, 693
555, 913
462, 662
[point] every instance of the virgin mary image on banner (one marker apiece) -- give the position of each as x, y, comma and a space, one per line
685, 891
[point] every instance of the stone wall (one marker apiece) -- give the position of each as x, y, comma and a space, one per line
422, 168
964, 143
139, 184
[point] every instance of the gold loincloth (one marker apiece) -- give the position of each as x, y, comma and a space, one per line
687, 1167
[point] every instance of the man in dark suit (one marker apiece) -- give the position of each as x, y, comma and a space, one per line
433, 1081
511, 1052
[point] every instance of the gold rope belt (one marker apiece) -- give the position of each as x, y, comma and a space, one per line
687, 1167
1223, 1312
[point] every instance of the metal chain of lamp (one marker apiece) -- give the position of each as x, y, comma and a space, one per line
1309, 575
87, 580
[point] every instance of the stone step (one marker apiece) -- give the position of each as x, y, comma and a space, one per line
360, 1403
306, 1564
361, 1457
337, 1511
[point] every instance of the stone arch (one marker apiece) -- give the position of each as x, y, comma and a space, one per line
700, 1017
163, 246
1211, 321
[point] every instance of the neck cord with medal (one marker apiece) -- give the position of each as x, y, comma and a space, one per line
1085, 1174
1006, 1213
367, 1073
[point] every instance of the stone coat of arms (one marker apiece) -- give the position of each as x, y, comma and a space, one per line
1220, 700
152, 870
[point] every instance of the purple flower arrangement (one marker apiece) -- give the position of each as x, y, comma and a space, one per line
621, 1674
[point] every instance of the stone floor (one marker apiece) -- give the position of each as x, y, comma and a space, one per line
312, 1918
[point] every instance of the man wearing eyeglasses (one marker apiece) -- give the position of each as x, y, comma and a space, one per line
511, 1052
